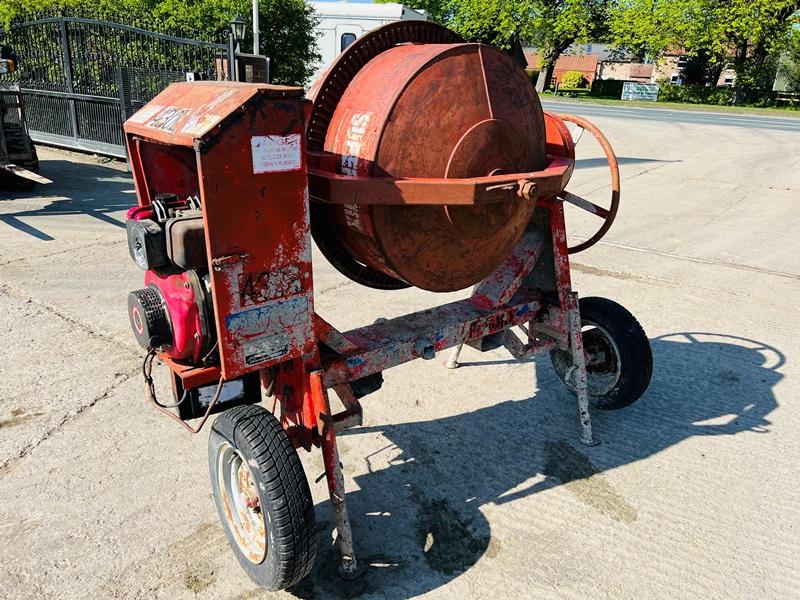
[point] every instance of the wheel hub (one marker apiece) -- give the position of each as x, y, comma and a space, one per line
603, 366
241, 503
602, 359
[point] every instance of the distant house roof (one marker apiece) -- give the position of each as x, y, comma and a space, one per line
534, 60
584, 64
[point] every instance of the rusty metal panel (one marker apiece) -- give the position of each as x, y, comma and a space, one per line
185, 112
255, 209
240, 148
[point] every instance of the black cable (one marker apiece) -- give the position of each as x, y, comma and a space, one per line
147, 369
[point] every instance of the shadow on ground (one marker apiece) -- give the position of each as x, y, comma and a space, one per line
587, 163
703, 385
77, 189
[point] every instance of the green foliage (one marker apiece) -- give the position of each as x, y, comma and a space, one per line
573, 80
790, 62
545, 24
695, 94
287, 26
288, 38
550, 26
748, 33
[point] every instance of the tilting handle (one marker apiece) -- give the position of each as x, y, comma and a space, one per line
326, 186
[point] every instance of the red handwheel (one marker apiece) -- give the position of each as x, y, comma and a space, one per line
607, 214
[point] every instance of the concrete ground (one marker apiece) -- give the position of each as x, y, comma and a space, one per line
463, 484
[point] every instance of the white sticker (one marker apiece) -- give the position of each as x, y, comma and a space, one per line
351, 159
263, 349
147, 113
275, 153
167, 119
199, 124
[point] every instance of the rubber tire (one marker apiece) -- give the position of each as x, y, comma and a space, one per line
15, 144
282, 488
634, 349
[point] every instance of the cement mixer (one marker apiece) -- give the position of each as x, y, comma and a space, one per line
415, 160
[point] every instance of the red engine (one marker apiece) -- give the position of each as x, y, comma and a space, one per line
174, 312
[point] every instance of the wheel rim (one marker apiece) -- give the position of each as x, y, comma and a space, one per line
603, 360
241, 503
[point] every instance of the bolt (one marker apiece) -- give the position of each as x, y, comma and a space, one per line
527, 190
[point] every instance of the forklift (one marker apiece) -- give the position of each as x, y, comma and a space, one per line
19, 163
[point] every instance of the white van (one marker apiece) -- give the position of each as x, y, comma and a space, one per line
342, 23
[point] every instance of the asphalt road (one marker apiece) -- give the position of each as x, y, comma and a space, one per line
749, 121
462, 484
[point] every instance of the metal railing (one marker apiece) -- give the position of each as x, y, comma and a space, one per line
82, 78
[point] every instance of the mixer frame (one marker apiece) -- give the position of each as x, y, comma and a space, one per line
531, 290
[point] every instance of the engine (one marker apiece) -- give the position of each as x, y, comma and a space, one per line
174, 312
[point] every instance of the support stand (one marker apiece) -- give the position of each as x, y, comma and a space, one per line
349, 566
578, 371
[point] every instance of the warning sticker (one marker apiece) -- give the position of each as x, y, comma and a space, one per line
275, 153
264, 349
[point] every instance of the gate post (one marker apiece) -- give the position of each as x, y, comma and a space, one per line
125, 103
67, 60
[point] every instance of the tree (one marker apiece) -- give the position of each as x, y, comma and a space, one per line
747, 33
560, 24
790, 62
286, 29
288, 37
550, 25
758, 31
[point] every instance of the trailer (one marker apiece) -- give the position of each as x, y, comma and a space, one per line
19, 162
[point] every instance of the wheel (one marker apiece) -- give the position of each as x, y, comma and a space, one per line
262, 497
15, 144
619, 360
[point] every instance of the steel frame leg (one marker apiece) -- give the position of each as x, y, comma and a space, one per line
578, 371
452, 359
348, 567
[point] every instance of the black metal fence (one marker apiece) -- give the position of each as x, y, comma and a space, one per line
82, 78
